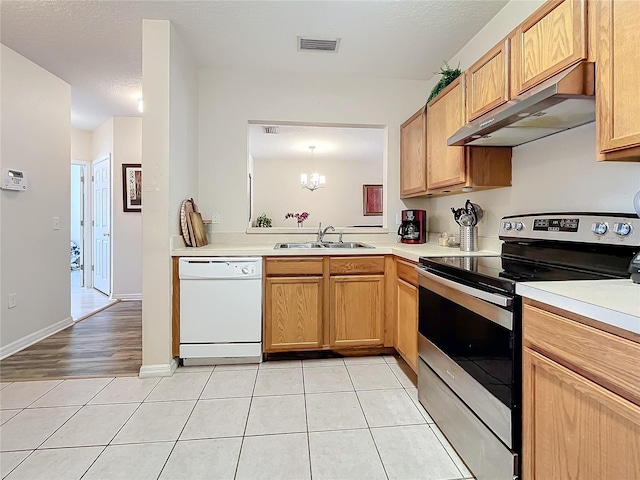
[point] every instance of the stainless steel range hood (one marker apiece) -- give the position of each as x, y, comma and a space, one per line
562, 102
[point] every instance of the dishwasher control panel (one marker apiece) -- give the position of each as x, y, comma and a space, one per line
220, 267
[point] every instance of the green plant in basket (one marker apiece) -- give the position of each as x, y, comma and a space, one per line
263, 221
448, 75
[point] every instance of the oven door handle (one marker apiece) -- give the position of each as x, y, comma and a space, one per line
481, 294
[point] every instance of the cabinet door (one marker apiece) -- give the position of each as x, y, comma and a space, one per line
357, 310
293, 313
487, 82
574, 428
617, 73
413, 159
445, 116
551, 39
407, 313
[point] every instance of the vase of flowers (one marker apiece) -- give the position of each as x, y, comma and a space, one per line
300, 217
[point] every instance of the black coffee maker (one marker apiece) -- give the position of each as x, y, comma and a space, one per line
413, 228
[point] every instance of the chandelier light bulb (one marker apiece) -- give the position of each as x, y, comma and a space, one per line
313, 181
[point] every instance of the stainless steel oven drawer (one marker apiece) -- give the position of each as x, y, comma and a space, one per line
484, 454
492, 412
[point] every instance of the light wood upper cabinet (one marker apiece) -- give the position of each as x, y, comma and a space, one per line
445, 116
357, 310
580, 399
551, 39
450, 169
413, 167
617, 74
407, 313
293, 313
487, 81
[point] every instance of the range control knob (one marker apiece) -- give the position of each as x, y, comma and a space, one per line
506, 225
245, 270
519, 226
599, 228
622, 229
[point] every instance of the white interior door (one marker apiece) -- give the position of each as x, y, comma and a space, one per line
102, 225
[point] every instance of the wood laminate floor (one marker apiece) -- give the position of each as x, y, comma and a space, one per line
108, 343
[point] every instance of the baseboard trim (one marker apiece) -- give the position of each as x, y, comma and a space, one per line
127, 297
35, 337
158, 370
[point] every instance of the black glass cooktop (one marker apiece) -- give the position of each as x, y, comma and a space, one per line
500, 273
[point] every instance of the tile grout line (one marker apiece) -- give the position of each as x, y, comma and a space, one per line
306, 421
65, 406
246, 423
462, 475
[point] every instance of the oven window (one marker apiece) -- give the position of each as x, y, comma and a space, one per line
481, 347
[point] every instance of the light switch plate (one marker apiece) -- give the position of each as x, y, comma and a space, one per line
56, 223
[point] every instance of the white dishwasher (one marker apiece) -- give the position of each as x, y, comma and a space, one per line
220, 310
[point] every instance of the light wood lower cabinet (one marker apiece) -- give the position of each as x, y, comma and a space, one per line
407, 313
294, 310
357, 308
324, 303
578, 422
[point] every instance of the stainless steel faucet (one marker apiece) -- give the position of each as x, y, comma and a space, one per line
322, 233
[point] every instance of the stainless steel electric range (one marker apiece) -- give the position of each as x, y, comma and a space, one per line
469, 325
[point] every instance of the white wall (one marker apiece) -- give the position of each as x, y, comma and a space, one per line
169, 82
35, 130
81, 145
127, 226
557, 173
121, 138
230, 99
277, 191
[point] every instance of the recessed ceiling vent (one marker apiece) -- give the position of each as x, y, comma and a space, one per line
306, 44
271, 130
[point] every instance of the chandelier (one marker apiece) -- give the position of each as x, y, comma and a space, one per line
313, 181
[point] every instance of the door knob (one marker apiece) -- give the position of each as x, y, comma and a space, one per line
106, 234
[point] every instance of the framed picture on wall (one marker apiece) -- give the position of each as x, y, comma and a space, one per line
131, 187
371, 200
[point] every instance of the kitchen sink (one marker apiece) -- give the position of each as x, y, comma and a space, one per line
298, 245
347, 245
322, 245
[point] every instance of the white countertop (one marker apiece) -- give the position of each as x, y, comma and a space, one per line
406, 251
614, 302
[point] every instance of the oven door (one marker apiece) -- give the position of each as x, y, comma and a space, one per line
467, 338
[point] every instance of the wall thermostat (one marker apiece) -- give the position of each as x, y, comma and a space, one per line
14, 179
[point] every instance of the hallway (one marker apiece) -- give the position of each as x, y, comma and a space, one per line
86, 301
108, 343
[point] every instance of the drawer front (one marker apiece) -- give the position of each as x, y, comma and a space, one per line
407, 272
355, 265
606, 359
293, 266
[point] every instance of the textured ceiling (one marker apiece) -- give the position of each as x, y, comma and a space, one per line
96, 45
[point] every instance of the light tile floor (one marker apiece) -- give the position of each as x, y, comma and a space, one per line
352, 418
86, 301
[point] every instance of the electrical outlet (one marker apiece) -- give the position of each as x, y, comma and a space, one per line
215, 217
13, 301
398, 218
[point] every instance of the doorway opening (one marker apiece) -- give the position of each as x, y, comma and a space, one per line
85, 300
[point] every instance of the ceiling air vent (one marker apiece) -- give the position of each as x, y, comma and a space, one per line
306, 44
270, 130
